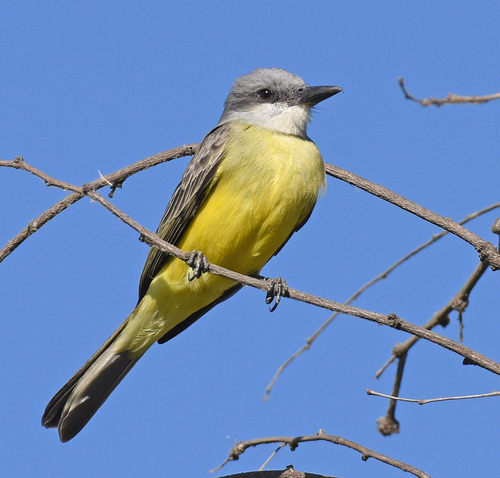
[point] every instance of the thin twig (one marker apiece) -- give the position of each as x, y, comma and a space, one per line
487, 251
383, 275
451, 98
18, 163
293, 442
459, 301
431, 400
388, 425
273, 454
117, 178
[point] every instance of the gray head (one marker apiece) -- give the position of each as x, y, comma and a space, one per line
275, 99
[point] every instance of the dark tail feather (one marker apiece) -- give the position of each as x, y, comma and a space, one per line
78, 400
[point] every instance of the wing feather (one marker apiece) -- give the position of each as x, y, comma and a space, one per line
186, 200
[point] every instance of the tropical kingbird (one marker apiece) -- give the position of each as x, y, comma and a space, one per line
252, 183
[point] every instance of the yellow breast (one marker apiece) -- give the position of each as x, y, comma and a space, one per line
266, 185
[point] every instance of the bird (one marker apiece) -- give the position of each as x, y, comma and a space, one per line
252, 184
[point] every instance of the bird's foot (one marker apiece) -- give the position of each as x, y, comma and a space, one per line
278, 288
199, 263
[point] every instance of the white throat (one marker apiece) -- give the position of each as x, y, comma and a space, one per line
279, 117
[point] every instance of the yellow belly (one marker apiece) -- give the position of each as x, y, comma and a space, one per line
266, 185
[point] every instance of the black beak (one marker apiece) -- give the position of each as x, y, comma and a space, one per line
312, 95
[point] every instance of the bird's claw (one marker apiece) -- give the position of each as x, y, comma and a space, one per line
199, 263
278, 288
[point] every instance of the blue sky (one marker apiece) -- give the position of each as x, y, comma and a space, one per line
94, 86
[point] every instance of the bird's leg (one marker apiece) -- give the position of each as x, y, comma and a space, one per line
199, 263
278, 288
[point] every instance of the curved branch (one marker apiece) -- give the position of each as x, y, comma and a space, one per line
459, 301
310, 340
451, 98
391, 320
293, 443
116, 179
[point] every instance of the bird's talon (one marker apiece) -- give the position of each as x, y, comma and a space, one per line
199, 263
278, 288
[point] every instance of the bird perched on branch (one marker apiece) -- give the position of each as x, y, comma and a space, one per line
253, 182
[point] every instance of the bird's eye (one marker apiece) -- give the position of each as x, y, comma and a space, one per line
265, 93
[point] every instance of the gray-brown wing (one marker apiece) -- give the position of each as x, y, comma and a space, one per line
186, 200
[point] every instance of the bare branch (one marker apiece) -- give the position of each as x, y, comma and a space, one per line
117, 178
487, 251
293, 443
431, 400
18, 163
310, 340
459, 301
388, 425
451, 98
391, 320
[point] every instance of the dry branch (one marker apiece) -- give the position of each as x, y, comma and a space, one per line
451, 98
458, 302
432, 400
310, 340
391, 320
388, 424
117, 178
293, 443
487, 251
